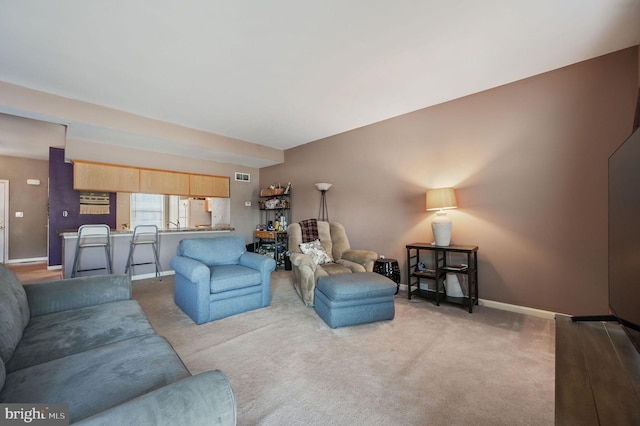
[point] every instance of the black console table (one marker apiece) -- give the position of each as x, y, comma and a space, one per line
436, 266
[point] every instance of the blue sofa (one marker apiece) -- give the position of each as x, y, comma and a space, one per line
217, 277
84, 343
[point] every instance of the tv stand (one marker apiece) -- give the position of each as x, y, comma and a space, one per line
597, 373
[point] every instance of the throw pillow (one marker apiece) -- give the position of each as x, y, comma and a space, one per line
315, 250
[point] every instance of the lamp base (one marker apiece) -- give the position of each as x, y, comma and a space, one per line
441, 226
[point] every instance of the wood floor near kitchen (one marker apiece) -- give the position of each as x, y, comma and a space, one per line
34, 272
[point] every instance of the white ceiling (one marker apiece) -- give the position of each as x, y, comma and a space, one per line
281, 73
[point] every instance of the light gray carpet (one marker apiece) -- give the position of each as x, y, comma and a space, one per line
431, 365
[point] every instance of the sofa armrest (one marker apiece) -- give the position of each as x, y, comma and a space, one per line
301, 259
366, 258
193, 270
74, 293
256, 261
204, 399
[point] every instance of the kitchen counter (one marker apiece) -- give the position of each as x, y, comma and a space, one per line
120, 239
65, 233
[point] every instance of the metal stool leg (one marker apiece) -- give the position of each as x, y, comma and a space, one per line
74, 271
155, 252
107, 253
128, 268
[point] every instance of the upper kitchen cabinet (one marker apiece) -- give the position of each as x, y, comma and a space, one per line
112, 178
208, 186
163, 182
105, 177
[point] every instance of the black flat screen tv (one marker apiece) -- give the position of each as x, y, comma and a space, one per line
624, 236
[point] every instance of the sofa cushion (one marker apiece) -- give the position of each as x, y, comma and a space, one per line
14, 312
213, 251
232, 277
96, 380
56, 335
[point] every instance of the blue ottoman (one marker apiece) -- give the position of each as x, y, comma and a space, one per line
358, 298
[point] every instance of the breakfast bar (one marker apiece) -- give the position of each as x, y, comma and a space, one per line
168, 240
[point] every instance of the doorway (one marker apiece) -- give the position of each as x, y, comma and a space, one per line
4, 220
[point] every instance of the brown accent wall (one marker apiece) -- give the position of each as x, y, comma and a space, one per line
28, 234
528, 161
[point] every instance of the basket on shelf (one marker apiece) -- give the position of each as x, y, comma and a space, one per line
269, 192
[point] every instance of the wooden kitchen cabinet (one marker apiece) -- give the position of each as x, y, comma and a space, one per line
208, 186
163, 182
111, 178
105, 177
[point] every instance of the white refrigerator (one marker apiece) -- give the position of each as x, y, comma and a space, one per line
194, 213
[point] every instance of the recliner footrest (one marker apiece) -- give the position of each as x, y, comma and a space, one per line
358, 298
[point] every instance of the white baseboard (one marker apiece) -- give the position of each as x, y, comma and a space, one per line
508, 307
517, 308
28, 260
151, 275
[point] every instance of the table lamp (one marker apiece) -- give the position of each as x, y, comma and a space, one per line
441, 199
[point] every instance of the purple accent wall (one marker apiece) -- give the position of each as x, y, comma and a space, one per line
62, 197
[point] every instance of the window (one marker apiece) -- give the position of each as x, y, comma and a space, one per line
147, 209
153, 209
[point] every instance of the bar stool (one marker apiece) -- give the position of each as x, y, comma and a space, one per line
93, 236
144, 235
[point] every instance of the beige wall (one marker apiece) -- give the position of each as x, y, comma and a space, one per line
528, 161
123, 127
28, 234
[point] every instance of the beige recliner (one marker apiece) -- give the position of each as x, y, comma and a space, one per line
334, 240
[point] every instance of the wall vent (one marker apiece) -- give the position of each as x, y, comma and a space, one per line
243, 177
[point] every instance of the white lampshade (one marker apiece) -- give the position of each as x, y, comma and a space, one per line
441, 198
323, 186
441, 226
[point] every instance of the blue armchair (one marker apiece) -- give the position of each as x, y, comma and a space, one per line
217, 277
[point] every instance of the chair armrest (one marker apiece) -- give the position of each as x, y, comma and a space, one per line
361, 257
353, 266
74, 293
193, 270
301, 259
204, 399
259, 262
